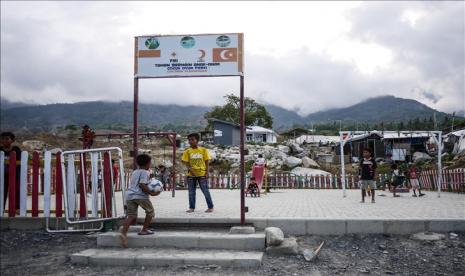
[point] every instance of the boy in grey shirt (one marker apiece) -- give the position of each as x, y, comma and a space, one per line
138, 195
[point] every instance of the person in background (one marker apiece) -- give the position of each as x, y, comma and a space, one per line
7, 140
260, 161
88, 136
253, 187
115, 169
413, 177
196, 160
367, 174
163, 175
396, 179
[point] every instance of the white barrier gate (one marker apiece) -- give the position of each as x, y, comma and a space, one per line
100, 160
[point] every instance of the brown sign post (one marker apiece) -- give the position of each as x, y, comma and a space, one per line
187, 56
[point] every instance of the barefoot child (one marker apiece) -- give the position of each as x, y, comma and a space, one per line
138, 195
196, 160
253, 187
367, 174
414, 181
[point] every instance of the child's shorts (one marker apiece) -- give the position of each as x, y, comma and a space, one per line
145, 204
364, 184
415, 183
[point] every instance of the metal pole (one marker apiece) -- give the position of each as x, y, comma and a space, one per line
343, 171
439, 142
242, 126
135, 134
173, 185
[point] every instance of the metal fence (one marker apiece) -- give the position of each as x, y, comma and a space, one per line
34, 177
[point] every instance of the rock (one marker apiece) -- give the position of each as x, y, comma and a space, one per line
382, 247
453, 235
167, 163
55, 150
33, 144
276, 154
308, 171
428, 236
307, 162
418, 156
287, 247
292, 161
296, 148
284, 149
274, 236
242, 230
212, 154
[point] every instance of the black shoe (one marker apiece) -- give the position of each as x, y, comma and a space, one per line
414, 195
422, 194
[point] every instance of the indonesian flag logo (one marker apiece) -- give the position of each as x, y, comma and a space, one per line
224, 54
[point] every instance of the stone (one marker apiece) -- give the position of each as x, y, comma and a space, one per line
417, 156
308, 171
55, 150
274, 236
276, 154
284, 149
242, 230
212, 154
307, 162
428, 236
296, 148
292, 161
287, 247
33, 144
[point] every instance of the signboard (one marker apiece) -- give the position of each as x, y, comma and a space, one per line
162, 56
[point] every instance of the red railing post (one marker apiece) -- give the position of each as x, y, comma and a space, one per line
59, 187
82, 186
12, 184
107, 183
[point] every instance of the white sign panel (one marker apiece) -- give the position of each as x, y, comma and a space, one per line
189, 55
218, 133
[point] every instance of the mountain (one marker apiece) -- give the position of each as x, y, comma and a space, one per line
119, 114
379, 109
6, 104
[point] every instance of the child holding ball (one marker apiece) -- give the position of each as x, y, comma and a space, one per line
138, 195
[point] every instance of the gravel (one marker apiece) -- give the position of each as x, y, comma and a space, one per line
39, 253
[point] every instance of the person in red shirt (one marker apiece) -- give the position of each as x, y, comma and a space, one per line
413, 176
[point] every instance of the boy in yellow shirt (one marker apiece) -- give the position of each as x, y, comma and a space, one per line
196, 159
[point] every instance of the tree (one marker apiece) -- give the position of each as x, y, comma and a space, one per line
255, 113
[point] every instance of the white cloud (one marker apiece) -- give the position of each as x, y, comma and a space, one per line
305, 56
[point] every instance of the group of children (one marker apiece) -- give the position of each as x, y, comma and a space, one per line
367, 174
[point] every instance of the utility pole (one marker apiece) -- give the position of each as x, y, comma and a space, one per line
434, 120
453, 117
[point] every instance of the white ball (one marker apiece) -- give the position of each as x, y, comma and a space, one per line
155, 185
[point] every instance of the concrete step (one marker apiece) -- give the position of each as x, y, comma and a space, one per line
176, 238
159, 257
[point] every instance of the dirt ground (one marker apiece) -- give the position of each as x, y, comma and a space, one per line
40, 253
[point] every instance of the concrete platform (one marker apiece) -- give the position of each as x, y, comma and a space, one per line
186, 239
159, 257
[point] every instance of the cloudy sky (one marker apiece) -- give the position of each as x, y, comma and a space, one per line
304, 56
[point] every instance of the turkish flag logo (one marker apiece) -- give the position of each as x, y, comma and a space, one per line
224, 54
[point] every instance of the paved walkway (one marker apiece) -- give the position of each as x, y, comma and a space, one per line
314, 204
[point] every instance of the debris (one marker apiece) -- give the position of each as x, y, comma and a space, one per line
311, 255
428, 236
